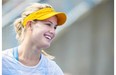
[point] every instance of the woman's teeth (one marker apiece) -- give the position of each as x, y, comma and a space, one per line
48, 37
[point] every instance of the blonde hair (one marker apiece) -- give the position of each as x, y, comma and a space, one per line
20, 30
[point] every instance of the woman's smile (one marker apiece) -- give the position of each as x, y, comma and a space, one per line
49, 36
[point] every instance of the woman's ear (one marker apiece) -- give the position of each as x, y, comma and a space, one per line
29, 25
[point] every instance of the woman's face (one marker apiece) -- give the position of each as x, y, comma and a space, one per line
43, 32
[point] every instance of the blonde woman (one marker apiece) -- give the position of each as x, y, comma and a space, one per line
35, 31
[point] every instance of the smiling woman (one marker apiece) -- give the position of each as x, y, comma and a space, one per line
35, 31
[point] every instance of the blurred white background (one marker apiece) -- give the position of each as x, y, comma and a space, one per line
84, 45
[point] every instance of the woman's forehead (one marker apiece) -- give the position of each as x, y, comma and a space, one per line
52, 20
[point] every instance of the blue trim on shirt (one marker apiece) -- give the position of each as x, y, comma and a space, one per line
15, 53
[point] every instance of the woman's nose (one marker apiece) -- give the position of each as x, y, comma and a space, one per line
52, 31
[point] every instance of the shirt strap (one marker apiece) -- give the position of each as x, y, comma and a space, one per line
15, 53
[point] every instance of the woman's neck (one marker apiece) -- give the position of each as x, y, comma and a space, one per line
28, 54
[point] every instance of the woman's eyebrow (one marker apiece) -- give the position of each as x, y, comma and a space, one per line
50, 22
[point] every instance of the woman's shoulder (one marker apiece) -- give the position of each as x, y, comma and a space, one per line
7, 53
52, 66
48, 60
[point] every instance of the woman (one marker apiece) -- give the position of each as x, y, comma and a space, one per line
35, 31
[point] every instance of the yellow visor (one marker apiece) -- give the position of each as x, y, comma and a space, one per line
46, 13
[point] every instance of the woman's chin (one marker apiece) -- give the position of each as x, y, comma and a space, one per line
43, 45
46, 46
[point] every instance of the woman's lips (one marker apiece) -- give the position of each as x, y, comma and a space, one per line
48, 36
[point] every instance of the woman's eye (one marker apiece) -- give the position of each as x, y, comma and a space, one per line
48, 24
55, 27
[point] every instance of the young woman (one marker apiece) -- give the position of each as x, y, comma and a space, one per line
35, 31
